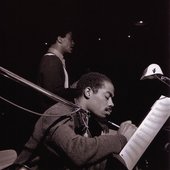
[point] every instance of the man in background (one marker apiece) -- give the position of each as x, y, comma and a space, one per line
52, 73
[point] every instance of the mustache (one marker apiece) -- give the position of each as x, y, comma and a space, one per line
109, 109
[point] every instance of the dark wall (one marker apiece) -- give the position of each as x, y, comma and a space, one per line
109, 38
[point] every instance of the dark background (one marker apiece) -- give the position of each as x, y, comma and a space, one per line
109, 38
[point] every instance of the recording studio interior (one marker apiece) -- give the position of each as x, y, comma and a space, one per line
129, 41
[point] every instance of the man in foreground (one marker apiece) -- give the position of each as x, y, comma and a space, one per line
68, 138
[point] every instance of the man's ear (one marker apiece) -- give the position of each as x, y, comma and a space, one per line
59, 39
87, 92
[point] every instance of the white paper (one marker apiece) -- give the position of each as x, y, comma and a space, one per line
146, 132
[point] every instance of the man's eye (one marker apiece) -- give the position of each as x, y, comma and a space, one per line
107, 97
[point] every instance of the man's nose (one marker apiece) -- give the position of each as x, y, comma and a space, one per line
111, 102
73, 43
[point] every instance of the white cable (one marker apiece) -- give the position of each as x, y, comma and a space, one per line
35, 113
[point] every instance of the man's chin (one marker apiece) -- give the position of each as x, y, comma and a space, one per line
103, 119
70, 50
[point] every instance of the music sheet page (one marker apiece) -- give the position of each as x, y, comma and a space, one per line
146, 132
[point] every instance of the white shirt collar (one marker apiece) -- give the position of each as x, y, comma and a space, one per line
56, 52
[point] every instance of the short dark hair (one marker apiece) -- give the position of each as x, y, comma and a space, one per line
63, 31
59, 30
94, 80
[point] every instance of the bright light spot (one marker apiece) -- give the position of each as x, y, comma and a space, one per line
140, 23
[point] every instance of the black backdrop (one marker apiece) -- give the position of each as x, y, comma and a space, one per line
109, 38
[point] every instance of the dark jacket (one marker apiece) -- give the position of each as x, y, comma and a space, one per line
59, 143
51, 77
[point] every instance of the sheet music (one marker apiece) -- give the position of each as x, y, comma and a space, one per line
146, 132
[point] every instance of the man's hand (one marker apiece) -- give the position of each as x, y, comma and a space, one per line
127, 129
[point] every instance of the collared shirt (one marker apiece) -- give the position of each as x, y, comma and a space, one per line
61, 57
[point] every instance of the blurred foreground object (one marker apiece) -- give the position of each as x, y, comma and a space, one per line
7, 158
